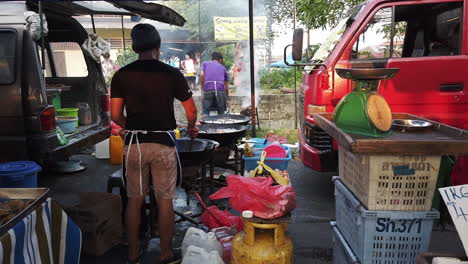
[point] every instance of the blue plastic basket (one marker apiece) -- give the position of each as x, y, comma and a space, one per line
274, 163
19, 174
342, 253
391, 237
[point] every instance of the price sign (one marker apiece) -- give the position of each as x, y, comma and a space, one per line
456, 199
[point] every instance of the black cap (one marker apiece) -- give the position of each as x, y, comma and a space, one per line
145, 37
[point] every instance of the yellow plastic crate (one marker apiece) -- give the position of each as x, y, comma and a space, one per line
390, 182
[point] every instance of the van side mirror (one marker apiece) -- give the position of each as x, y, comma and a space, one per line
298, 40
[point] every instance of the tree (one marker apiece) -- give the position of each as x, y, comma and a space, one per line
313, 14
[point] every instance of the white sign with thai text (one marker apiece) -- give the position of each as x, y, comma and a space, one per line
456, 199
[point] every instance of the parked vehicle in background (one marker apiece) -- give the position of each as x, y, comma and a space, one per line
428, 42
27, 112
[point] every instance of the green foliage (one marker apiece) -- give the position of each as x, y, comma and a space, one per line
282, 78
228, 54
125, 57
313, 14
291, 134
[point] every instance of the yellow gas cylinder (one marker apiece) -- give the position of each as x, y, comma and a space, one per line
262, 244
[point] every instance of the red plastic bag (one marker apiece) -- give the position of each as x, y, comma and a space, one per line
225, 217
258, 195
115, 129
460, 171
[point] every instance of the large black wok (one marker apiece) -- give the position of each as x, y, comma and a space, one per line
228, 119
196, 151
226, 135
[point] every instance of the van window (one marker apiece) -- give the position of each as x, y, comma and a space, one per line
7, 57
422, 30
374, 42
68, 59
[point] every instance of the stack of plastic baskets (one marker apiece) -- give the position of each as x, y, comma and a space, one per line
393, 237
383, 206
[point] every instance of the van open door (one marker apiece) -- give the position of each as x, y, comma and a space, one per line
151, 11
75, 77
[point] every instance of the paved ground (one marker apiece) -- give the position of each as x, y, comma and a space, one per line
309, 230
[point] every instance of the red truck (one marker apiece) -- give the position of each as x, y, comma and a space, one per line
426, 39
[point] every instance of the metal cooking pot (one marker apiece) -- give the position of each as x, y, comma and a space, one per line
228, 119
196, 151
226, 135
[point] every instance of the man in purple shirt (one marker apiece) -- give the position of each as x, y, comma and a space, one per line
214, 81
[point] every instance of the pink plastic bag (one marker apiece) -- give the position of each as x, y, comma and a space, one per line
225, 217
258, 195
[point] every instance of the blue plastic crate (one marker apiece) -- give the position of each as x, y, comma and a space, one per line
274, 163
342, 253
391, 237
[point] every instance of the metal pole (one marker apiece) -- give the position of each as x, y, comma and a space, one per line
41, 14
123, 33
94, 25
295, 70
252, 68
199, 23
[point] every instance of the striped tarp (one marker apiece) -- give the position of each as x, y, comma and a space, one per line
47, 235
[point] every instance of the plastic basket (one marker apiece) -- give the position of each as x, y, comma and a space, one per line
391, 237
390, 183
342, 253
274, 163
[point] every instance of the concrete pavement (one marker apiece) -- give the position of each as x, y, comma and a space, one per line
309, 229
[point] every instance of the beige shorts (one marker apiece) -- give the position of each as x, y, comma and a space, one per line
157, 160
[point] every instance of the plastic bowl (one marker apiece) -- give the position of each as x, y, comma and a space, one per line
67, 124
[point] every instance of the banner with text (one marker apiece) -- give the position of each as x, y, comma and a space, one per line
237, 28
456, 199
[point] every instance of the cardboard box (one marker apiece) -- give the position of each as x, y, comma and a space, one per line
99, 217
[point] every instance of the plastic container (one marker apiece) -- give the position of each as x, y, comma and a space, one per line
102, 149
226, 243
54, 99
391, 237
275, 150
67, 124
274, 163
342, 253
84, 114
389, 182
116, 146
70, 112
224, 231
197, 237
19, 174
197, 255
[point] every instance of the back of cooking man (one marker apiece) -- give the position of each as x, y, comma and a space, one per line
214, 81
146, 89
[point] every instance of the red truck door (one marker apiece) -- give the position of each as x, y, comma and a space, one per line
425, 41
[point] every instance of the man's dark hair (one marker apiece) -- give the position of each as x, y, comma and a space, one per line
145, 37
217, 56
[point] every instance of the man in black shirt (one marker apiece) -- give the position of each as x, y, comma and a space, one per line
147, 89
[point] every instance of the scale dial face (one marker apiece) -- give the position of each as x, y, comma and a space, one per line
379, 112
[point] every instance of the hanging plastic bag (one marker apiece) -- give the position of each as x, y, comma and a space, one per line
223, 218
33, 24
96, 47
259, 195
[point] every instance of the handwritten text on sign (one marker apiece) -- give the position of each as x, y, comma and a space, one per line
456, 199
